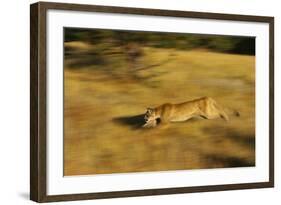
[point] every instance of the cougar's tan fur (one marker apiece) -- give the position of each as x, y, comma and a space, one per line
205, 107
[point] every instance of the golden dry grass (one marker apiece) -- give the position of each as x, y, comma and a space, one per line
100, 135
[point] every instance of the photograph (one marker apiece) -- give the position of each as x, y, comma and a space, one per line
129, 101
149, 101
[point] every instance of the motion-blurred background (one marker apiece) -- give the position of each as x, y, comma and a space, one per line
111, 77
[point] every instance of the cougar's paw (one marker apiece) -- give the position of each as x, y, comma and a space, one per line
150, 124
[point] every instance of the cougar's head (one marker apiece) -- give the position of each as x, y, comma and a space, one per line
150, 115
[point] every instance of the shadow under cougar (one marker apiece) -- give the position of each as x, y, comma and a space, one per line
134, 122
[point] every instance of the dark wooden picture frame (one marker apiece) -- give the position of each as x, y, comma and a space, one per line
38, 101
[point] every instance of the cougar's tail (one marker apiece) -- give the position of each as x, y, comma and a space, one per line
236, 113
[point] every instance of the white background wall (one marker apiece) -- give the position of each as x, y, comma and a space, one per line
14, 101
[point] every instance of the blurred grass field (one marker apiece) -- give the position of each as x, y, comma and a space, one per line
99, 137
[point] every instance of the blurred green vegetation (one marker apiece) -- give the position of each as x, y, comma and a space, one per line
108, 38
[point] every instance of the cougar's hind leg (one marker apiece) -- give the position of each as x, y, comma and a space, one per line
224, 115
207, 115
203, 116
220, 111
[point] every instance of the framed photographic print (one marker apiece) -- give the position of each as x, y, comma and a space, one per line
134, 102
